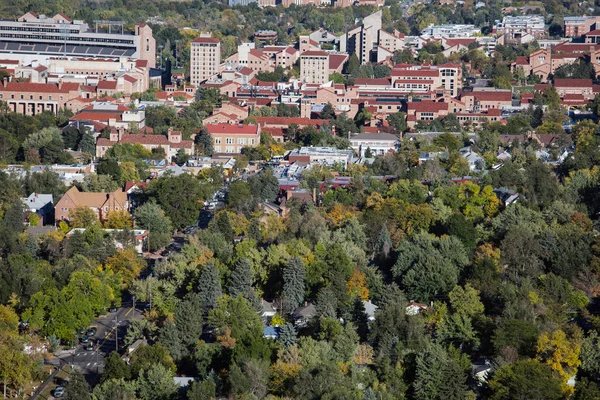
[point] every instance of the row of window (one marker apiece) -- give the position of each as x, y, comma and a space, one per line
230, 140
12, 96
28, 29
60, 39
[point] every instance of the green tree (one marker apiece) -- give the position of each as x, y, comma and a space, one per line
398, 122
239, 195
204, 143
437, 376
151, 216
328, 112
294, 275
525, 380
429, 266
145, 357
209, 286
189, 320
115, 368
78, 388
157, 383
115, 389
203, 390
181, 197
241, 279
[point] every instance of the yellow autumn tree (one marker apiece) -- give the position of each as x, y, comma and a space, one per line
487, 252
561, 353
118, 220
357, 285
126, 265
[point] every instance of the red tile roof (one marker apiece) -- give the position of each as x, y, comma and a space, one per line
141, 63
595, 32
274, 132
268, 121
374, 81
314, 53
29, 87
411, 73
567, 83
231, 129
427, 106
130, 78
522, 60
104, 85
490, 96
336, 60
96, 116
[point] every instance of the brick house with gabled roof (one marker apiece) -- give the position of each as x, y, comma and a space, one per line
171, 143
101, 203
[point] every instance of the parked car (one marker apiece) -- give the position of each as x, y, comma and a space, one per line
92, 331
147, 307
59, 391
112, 308
89, 346
84, 339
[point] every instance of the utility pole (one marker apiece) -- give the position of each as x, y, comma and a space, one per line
116, 334
150, 282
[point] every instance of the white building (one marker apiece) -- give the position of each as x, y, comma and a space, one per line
205, 59
520, 29
379, 143
450, 31
37, 37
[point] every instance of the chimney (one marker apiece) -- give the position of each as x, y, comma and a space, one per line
60, 84
314, 195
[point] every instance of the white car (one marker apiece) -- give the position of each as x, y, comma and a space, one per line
59, 391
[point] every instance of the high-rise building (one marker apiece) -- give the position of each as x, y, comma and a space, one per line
205, 59
314, 66
37, 37
363, 40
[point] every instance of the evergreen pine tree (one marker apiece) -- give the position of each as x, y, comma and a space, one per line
293, 284
209, 286
240, 281
287, 337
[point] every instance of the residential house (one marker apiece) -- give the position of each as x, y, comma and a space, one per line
100, 202
41, 204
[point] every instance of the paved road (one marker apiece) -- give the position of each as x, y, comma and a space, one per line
91, 362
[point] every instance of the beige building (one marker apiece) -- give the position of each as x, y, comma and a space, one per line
231, 138
205, 59
33, 98
314, 66
171, 143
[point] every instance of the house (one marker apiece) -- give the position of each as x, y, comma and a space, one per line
507, 196
271, 332
413, 308
41, 204
139, 237
268, 309
480, 369
370, 309
302, 315
378, 143
99, 202
476, 162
